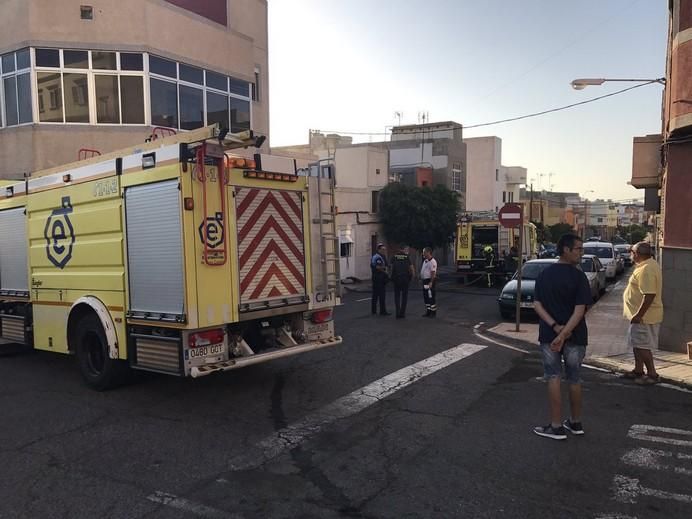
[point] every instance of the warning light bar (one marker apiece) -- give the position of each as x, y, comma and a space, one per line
267, 175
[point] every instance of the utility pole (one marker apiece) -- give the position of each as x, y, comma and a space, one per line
531, 204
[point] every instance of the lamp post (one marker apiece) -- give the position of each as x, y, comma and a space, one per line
582, 83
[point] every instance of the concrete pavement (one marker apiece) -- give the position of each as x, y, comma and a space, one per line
607, 343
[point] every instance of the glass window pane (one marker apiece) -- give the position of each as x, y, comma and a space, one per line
75, 59
76, 98
132, 95
240, 87
24, 93
23, 59
217, 81
240, 115
191, 108
162, 66
49, 88
131, 61
103, 60
217, 109
107, 99
8, 63
48, 58
164, 103
10, 85
191, 74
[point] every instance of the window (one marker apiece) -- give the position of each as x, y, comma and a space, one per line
75, 59
504, 195
346, 250
456, 176
217, 81
217, 109
162, 67
256, 86
191, 108
107, 99
104, 60
131, 61
240, 115
86, 12
76, 96
164, 103
15, 88
132, 95
374, 202
240, 87
497, 175
50, 92
191, 74
47, 58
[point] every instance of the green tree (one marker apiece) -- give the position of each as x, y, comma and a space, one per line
634, 233
542, 232
417, 216
558, 230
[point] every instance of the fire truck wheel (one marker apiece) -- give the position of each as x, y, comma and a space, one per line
99, 371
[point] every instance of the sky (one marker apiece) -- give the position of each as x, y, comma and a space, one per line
344, 66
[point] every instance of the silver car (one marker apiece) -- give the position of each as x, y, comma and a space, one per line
595, 273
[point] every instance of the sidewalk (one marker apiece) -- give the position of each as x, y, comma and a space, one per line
607, 346
444, 271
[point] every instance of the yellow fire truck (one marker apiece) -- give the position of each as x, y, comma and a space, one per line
173, 256
477, 230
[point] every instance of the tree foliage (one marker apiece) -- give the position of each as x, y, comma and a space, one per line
542, 233
558, 230
633, 233
419, 217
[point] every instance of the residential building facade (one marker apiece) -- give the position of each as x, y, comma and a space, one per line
438, 146
100, 77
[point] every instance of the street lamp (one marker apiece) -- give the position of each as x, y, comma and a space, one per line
581, 83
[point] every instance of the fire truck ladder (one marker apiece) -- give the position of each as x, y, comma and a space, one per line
217, 256
329, 241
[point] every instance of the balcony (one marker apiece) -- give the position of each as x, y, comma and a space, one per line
646, 161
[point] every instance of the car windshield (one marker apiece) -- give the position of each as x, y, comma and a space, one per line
587, 264
622, 248
601, 252
531, 270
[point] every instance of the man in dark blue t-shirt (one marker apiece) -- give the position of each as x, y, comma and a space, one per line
562, 295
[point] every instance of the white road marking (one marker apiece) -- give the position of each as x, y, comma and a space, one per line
596, 368
364, 299
481, 336
641, 432
628, 489
293, 435
615, 516
189, 506
652, 459
673, 386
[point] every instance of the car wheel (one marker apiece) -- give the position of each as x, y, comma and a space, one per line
99, 371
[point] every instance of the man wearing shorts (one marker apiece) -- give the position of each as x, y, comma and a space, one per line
643, 308
562, 295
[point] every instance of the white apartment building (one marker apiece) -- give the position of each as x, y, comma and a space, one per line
489, 184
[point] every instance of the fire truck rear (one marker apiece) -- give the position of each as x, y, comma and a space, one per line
174, 256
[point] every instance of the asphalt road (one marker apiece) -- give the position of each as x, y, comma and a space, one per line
407, 418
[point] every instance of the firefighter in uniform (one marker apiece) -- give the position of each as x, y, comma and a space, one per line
428, 275
489, 255
378, 267
402, 274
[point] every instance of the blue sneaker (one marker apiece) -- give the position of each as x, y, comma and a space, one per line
548, 431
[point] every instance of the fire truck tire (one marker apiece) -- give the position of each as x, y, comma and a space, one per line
99, 371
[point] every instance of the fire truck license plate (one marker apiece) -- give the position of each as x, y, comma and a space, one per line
211, 350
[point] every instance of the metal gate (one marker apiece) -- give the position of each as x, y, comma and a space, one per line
14, 274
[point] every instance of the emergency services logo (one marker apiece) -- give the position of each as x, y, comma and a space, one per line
211, 231
59, 235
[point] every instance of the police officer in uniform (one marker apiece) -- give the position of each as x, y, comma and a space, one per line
489, 255
378, 267
402, 274
428, 275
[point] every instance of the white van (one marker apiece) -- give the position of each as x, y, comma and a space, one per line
606, 253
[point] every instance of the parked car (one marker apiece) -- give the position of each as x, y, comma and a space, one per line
606, 253
625, 251
549, 250
595, 273
619, 263
529, 274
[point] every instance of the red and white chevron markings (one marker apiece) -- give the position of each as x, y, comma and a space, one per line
270, 243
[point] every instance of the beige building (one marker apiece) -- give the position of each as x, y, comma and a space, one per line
99, 75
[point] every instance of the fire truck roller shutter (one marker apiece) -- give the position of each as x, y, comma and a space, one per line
154, 248
14, 275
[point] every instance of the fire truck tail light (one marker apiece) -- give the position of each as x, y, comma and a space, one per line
205, 338
322, 316
240, 163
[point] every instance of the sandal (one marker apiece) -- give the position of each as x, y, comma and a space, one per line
631, 375
648, 380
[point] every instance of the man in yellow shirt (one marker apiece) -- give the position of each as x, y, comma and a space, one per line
643, 308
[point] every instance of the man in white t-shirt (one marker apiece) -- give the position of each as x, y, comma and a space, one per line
428, 275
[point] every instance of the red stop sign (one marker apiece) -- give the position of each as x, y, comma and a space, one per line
511, 215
